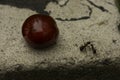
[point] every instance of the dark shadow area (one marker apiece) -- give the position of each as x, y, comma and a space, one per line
36, 5
39, 6
118, 28
84, 73
117, 2
37, 49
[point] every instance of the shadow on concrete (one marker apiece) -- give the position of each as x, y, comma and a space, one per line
117, 2
84, 73
36, 5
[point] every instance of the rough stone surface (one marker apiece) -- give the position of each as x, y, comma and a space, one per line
89, 35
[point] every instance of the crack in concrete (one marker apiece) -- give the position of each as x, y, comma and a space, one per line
57, 2
80, 18
73, 19
93, 49
90, 9
97, 6
64, 3
109, 3
118, 27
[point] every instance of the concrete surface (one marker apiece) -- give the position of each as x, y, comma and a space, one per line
89, 35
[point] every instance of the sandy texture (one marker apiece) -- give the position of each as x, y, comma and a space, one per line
88, 35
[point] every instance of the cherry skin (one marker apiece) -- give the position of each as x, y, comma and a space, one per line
40, 31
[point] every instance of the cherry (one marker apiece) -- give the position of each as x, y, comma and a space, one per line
40, 31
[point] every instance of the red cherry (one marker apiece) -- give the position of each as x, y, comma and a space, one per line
40, 31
